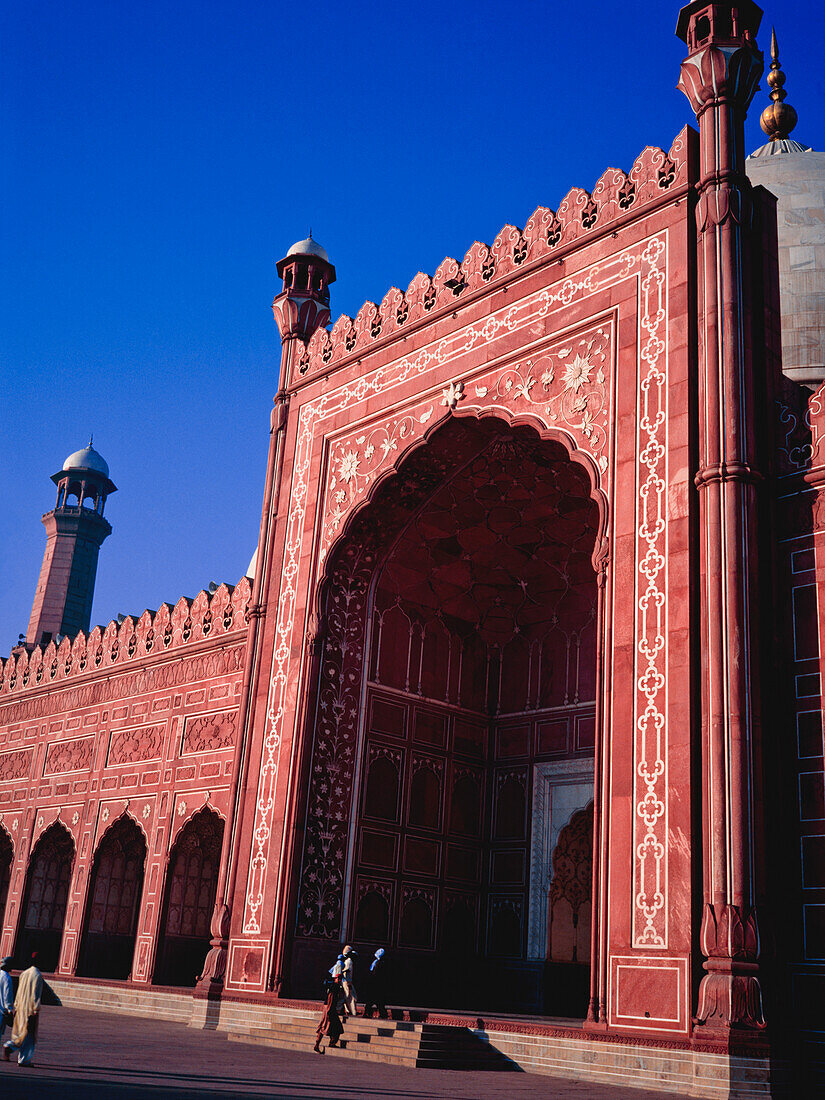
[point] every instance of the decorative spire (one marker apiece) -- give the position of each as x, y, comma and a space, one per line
778, 119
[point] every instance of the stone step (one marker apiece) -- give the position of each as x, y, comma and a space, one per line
363, 1051
394, 1042
456, 1039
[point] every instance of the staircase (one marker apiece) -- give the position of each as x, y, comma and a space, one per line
394, 1042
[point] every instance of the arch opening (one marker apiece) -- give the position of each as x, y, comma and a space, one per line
115, 888
6, 863
475, 561
45, 896
189, 898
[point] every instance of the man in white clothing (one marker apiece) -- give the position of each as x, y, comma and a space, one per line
348, 982
26, 1009
6, 994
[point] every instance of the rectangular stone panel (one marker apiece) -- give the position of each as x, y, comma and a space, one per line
648, 993
809, 733
811, 796
513, 740
551, 736
69, 756
430, 728
378, 849
814, 929
469, 737
421, 856
386, 717
813, 862
463, 864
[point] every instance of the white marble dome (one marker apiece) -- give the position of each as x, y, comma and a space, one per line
87, 458
308, 247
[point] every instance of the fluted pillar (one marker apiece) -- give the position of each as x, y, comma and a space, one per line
719, 77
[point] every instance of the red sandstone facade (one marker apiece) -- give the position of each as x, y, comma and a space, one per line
530, 667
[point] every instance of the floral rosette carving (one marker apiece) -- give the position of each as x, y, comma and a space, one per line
568, 386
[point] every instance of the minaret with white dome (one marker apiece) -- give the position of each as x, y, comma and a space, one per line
75, 530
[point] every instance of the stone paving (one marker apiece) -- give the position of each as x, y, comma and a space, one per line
85, 1055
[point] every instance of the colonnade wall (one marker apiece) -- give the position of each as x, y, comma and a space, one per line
138, 719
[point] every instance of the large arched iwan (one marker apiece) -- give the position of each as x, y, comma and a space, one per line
44, 899
116, 884
459, 615
189, 898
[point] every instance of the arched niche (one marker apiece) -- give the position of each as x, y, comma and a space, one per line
107, 944
570, 917
189, 899
6, 862
45, 896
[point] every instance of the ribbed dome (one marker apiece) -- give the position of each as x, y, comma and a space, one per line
308, 247
87, 459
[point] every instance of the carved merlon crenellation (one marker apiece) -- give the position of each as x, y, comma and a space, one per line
547, 235
119, 643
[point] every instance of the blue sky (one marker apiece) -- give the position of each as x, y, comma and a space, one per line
160, 158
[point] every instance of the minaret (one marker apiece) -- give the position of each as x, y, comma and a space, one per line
300, 308
75, 529
719, 77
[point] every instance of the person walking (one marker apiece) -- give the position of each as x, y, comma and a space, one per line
330, 1022
377, 986
336, 973
348, 982
6, 994
26, 1009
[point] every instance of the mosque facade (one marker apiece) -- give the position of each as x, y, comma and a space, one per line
526, 686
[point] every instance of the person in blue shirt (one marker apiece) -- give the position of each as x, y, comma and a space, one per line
6, 994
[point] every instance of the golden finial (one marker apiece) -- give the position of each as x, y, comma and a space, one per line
779, 118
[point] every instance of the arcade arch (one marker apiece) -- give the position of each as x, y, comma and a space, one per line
6, 862
44, 898
107, 944
480, 660
189, 898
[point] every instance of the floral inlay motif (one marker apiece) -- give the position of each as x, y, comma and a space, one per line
577, 373
208, 732
69, 756
16, 764
134, 745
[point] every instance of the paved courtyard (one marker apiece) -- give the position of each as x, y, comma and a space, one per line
94, 1056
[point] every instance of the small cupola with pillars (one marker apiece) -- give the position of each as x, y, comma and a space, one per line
303, 304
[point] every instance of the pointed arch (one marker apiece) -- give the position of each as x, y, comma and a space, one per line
189, 899
45, 895
6, 864
113, 901
484, 532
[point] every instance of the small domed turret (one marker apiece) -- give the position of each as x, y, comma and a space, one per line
303, 304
